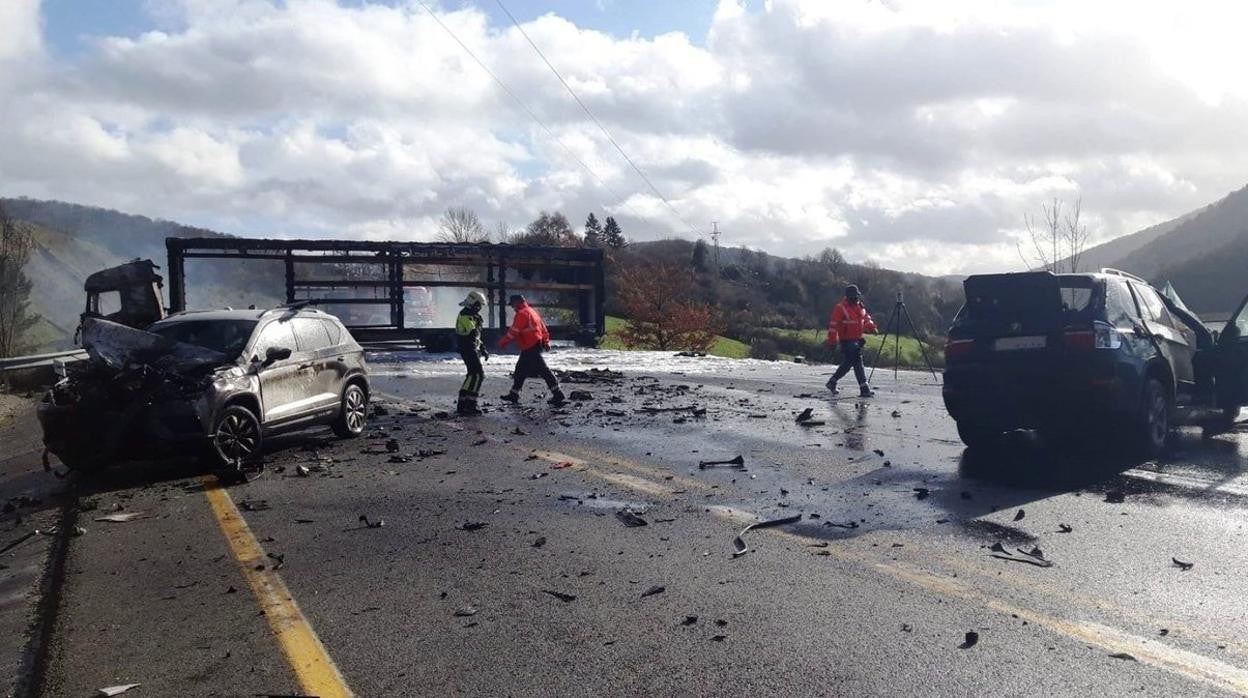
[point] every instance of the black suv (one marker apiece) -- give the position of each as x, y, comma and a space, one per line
1104, 353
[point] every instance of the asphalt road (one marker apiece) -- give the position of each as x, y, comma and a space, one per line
872, 592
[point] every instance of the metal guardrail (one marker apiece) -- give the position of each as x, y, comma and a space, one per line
16, 363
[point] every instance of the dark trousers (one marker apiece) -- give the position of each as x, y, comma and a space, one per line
851, 357
532, 365
476, 375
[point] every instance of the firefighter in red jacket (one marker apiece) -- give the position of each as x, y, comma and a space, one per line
529, 333
850, 321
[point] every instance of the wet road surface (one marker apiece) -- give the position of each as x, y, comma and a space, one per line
1063, 565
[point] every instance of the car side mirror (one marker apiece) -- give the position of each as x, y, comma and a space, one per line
275, 354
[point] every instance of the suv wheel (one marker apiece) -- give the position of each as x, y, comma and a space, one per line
236, 437
353, 416
1154, 421
976, 436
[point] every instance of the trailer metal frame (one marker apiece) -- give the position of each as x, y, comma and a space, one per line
507, 269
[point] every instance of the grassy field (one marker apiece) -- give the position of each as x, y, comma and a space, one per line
811, 343
729, 348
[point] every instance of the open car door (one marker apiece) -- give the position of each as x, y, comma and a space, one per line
1233, 360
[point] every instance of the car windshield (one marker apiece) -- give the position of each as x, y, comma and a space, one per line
226, 336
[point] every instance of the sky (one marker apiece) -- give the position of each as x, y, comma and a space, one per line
910, 133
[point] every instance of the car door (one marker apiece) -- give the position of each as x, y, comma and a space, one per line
316, 350
280, 381
1232, 368
1174, 339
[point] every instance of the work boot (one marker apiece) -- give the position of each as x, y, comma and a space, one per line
468, 408
556, 398
513, 397
865, 390
832, 386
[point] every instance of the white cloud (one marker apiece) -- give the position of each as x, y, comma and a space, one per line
909, 132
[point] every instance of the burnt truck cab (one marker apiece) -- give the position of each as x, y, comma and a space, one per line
1082, 354
137, 287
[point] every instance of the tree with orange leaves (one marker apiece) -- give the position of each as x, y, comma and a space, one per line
662, 314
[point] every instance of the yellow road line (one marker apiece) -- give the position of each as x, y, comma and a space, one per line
315, 670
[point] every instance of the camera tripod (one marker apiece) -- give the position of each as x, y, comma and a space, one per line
899, 313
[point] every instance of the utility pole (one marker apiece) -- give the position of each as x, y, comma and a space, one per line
715, 239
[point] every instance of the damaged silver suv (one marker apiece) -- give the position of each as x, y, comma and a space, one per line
223, 379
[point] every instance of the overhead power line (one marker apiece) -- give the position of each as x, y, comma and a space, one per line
520, 103
593, 118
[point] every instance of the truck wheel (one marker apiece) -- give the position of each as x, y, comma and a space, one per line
1154, 420
1223, 422
353, 416
976, 436
236, 437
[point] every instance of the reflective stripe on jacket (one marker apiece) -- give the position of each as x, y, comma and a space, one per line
468, 331
849, 321
527, 329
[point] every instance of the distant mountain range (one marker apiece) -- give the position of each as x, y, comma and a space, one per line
72, 241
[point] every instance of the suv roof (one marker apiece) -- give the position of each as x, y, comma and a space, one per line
243, 314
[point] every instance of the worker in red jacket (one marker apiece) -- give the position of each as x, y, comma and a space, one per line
529, 333
850, 321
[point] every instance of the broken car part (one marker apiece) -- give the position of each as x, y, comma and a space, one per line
739, 541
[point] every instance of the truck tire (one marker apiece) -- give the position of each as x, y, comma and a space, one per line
353, 414
1153, 422
236, 437
976, 436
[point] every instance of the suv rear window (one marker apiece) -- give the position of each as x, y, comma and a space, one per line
1026, 304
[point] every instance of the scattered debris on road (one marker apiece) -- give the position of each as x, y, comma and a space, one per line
1183, 566
1115, 497
739, 541
465, 612
302, 470
921, 492
117, 690
1019, 516
689, 620
124, 518
738, 462
1064, 528
371, 524
566, 598
972, 639
629, 519
1123, 656
653, 590
473, 525
539, 542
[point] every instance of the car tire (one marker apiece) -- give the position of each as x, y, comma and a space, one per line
236, 438
1153, 430
976, 436
353, 414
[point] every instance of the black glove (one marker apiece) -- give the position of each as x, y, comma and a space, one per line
484, 354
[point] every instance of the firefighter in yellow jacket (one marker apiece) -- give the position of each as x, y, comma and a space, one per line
471, 350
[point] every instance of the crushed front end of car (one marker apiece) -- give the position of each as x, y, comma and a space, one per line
135, 396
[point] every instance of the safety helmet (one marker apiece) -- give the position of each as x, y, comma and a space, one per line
474, 299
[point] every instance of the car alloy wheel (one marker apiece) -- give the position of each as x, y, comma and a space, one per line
354, 409
236, 437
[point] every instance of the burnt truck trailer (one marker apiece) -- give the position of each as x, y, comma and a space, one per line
406, 292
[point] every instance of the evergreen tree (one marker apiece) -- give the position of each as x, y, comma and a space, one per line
698, 259
16, 243
593, 231
612, 235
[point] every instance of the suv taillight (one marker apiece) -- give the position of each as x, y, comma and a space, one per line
955, 348
1101, 336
